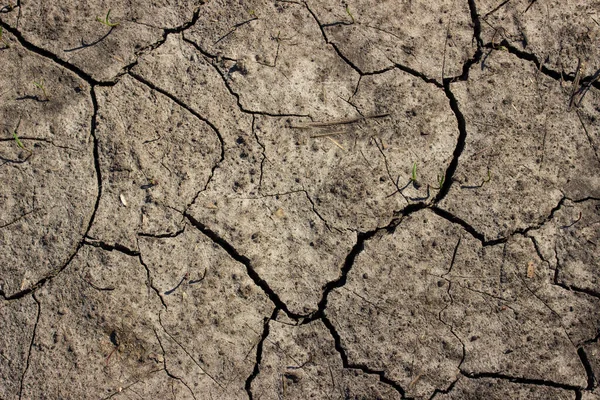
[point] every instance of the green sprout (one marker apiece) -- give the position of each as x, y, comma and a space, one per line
489, 177
106, 21
441, 179
40, 85
413, 176
18, 141
349, 13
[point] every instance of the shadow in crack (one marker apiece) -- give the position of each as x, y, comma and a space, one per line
86, 45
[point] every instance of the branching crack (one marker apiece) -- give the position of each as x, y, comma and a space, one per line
233, 253
362, 238
150, 281
361, 73
556, 75
51, 56
259, 353
346, 364
182, 104
481, 237
213, 61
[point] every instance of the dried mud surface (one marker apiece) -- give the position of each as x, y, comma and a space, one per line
300, 199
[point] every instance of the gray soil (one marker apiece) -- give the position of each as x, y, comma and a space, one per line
291, 200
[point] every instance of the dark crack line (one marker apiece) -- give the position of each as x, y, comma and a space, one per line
80, 72
477, 56
514, 379
150, 281
444, 391
166, 32
335, 48
213, 63
362, 238
481, 237
182, 104
361, 73
460, 144
417, 74
164, 235
53, 57
346, 364
476, 24
449, 293
466, 226
169, 374
108, 247
499, 6
95, 152
264, 155
259, 353
37, 320
233, 253
314, 209
591, 377
587, 291
556, 75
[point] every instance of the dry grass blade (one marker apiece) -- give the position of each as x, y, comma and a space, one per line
337, 122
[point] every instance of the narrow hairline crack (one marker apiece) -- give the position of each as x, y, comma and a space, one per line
37, 320
394, 65
233, 93
150, 281
79, 71
188, 353
171, 375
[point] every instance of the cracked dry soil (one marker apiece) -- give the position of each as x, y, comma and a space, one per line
290, 200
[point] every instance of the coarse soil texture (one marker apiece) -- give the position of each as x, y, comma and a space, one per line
261, 199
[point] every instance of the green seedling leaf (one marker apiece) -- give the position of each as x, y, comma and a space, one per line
106, 21
40, 85
17, 140
413, 176
441, 179
349, 13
